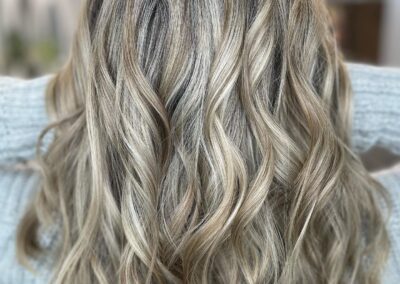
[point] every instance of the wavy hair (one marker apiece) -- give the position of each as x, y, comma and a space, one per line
205, 142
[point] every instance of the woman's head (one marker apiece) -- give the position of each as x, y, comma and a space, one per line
205, 141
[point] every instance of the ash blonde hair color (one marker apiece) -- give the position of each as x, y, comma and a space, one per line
205, 142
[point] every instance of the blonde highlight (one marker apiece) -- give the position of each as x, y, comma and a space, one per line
205, 142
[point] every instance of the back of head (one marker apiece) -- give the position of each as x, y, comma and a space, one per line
205, 142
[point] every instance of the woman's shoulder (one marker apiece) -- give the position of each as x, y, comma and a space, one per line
368, 70
367, 78
373, 79
20, 95
22, 116
376, 107
10, 84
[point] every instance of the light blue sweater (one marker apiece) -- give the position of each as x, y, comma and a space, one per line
376, 122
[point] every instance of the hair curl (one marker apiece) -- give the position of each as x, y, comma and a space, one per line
205, 142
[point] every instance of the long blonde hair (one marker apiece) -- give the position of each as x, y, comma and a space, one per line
205, 142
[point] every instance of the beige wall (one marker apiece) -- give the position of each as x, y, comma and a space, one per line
36, 21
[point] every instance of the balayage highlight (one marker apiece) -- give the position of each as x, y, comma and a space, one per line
205, 142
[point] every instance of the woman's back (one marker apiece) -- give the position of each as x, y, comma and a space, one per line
375, 120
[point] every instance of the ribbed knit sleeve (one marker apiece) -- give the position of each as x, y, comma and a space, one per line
22, 117
376, 107
390, 179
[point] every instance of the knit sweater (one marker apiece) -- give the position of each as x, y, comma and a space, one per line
375, 120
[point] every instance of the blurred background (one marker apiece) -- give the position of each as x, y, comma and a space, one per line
35, 37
